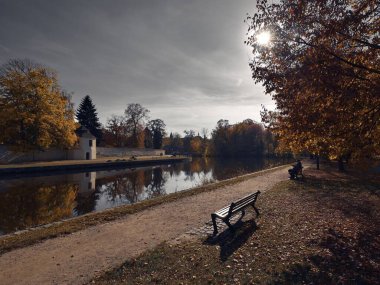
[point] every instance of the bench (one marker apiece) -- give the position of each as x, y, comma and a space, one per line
300, 172
297, 174
238, 206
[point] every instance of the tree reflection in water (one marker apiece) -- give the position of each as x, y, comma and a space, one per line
126, 188
157, 182
30, 201
25, 205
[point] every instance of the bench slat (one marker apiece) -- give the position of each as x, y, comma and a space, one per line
248, 199
223, 211
234, 208
242, 205
228, 211
254, 195
251, 198
237, 205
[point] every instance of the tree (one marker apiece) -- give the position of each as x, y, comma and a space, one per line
241, 139
322, 69
196, 145
34, 112
116, 131
204, 133
205, 143
175, 143
148, 138
157, 130
136, 115
87, 116
220, 137
189, 135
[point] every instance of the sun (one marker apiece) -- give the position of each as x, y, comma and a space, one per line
263, 38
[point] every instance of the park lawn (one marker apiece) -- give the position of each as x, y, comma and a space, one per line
316, 231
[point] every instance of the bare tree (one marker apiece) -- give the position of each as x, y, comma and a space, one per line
204, 133
116, 127
135, 116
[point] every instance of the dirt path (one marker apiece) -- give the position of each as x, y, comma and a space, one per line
76, 258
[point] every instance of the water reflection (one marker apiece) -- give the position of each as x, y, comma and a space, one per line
29, 201
24, 205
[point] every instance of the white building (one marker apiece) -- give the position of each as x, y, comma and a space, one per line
86, 149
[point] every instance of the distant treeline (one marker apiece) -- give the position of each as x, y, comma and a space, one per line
247, 138
37, 114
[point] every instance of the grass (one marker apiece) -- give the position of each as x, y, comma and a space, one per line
32, 236
316, 231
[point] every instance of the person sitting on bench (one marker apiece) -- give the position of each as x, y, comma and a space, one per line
297, 168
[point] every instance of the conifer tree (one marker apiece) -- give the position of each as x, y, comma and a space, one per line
87, 116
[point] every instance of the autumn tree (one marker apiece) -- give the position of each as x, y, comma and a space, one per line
135, 116
220, 137
175, 143
321, 66
242, 139
157, 131
87, 116
34, 112
116, 131
196, 145
189, 135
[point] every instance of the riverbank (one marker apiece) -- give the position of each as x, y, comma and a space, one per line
33, 235
97, 245
323, 230
99, 163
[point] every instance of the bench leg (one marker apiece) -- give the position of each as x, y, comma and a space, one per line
256, 210
213, 218
227, 221
242, 215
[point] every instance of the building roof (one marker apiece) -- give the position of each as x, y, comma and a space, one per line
83, 132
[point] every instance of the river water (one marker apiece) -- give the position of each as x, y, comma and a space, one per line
28, 201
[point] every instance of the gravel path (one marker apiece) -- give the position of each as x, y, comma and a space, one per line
78, 257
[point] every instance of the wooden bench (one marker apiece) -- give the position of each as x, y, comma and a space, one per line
297, 174
238, 206
300, 172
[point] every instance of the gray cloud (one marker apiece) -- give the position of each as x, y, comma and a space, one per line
183, 60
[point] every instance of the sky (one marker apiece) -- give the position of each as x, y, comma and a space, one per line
184, 60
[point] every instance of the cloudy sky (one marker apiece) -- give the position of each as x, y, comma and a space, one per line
184, 60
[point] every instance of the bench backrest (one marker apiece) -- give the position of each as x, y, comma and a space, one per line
243, 202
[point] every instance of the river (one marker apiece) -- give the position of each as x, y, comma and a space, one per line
28, 201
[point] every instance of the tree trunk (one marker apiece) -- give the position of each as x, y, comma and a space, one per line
317, 162
340, 164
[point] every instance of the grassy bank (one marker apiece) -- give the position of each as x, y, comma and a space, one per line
32, 236
323, 230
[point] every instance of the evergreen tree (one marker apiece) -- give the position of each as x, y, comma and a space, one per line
87, 116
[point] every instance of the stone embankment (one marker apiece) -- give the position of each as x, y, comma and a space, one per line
101, 163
